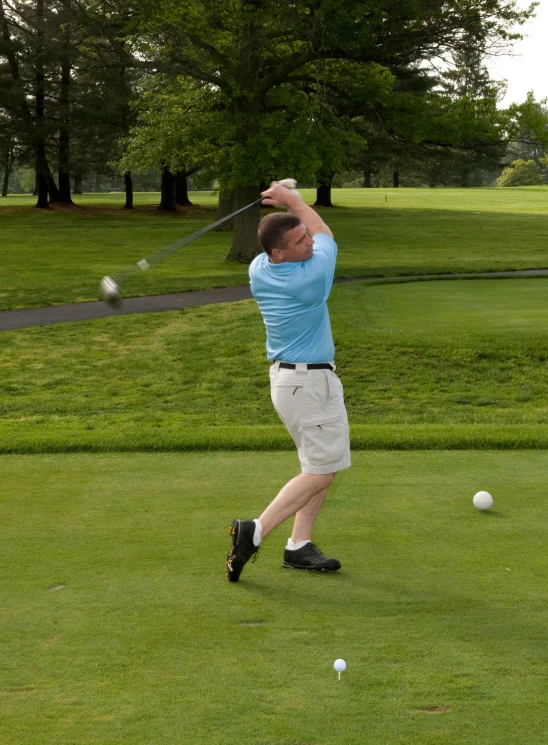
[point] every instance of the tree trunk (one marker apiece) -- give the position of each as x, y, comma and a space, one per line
323, 194
396, 179
39, 94
224, 208
64, 175
78, 178
53, 191
464, 181
8, 155
245, 244
42, 181
42, 176
167, 200
367, 182
181, 189
97, 187
64, 135
6, 181
128, 181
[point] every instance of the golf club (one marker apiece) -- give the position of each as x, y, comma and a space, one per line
110, 287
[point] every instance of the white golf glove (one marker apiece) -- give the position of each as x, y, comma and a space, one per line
289, 183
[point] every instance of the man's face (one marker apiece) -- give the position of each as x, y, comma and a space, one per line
298, 246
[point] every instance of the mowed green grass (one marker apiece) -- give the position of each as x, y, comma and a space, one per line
60, 256
446, 364
118, 626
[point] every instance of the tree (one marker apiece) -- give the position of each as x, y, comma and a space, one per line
447, 127
528, 130
521, 173
6, 161
24, 33
8, 149
474, 98
67, 81
249, 59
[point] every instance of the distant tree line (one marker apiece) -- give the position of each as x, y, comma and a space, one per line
99, 92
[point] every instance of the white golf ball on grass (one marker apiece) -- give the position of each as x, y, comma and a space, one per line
483, 500
340, 666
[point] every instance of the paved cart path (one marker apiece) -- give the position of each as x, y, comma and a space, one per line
27, 317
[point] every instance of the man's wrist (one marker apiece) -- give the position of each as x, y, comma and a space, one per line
293, 201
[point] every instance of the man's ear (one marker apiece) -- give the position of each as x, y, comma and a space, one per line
277, 254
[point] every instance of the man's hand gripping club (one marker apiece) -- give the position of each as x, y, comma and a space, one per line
279, 195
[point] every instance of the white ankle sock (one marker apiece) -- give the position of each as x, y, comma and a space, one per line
257, 534
294, 546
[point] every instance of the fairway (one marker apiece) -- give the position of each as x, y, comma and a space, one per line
60, 255
273, 438
118, 625
448, 364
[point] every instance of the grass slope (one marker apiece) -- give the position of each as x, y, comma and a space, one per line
118, 626
59, 256
430, 364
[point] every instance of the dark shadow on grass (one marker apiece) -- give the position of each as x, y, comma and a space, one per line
493, 513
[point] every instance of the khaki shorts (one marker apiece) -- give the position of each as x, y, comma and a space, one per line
311, 405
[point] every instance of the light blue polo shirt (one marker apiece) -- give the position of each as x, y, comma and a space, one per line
292, 298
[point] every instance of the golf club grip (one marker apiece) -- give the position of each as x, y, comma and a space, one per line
165, 252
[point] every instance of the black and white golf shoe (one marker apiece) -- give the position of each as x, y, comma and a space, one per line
310, 557
242, 549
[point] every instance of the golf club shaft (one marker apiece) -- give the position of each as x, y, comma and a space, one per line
163, 253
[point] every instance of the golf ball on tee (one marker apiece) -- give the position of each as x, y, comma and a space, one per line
483, 500
340, 666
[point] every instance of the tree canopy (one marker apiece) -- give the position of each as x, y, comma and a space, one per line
521, 173
248, 90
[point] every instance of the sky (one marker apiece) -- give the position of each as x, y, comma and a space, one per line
527, 69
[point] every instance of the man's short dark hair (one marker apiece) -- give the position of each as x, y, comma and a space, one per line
273, 228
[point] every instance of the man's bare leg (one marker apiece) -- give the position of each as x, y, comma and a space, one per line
303, 497
306, 517
307, 492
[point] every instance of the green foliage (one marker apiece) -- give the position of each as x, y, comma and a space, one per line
297, 133
262, 93
451, 129
242, 89
520, 173
22, 181
86, 61
528, 121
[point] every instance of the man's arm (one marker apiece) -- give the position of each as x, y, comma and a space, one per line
280, 196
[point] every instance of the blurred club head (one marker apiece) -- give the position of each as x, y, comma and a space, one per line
110, 292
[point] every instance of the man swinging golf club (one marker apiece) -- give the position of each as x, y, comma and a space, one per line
291, 282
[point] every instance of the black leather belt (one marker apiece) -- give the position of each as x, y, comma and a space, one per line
313, 366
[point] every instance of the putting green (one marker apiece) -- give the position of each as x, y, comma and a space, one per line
119, 627
476, 305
